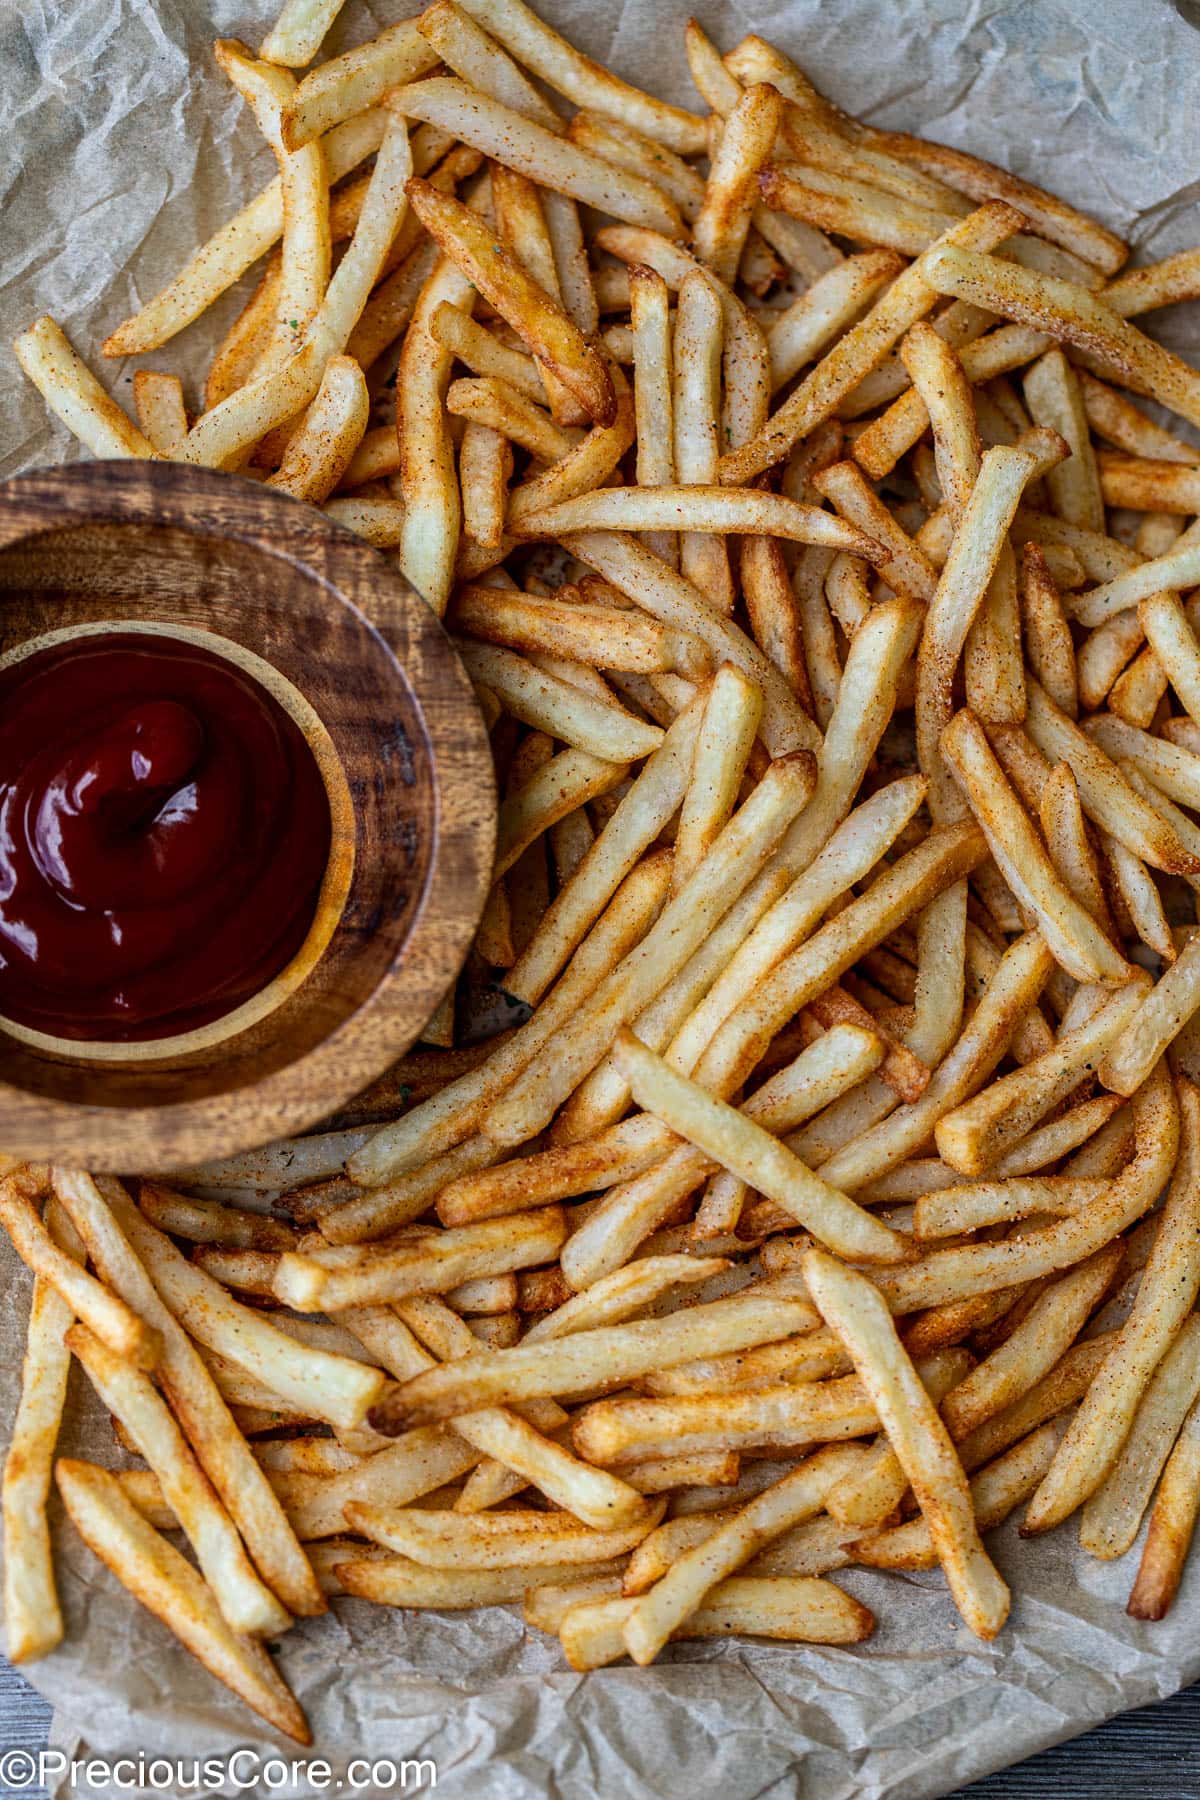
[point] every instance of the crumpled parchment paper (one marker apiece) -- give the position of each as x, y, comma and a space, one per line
121, 149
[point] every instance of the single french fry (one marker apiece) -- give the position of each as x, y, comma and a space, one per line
74, 395
1164, 1298
1071, 932
1053, 395
166, 1583
961, 589
731, 192
592, 1357
852, 1306
161, 413
33, 1618
562, 67
1172, 1522
103, 1312
1112, 1516
128, 1393
1072, 315
695, 412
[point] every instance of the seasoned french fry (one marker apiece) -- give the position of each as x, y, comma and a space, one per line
33, 1618
1164, 1298
166, 1583
1172, 1522
852, 1306
103, 1312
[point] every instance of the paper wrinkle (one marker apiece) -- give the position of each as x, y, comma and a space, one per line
122, 149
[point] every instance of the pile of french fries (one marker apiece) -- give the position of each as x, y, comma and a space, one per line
837, 1190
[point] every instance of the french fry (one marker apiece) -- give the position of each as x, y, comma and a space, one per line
695, 410
1012, 989
161, 413
699, 509
794, 1608
437, 1264
589, 1358
731, 192
661, 1612
353, 82
1054, 398
296, 35
1069, 929
165, 1582
852, 1306
1111, 1518
543, 156
33, 1618
320, 450
1072, 315
128, 1393
102, 1311
74, 395
1164, 1298
447, 1540
961, 589
835, 299
1172, 1522
563, 68
469, 51
396, 1581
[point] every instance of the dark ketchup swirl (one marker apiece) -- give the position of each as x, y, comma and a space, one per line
164, 831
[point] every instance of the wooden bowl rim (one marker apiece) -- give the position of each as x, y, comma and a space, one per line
171, 496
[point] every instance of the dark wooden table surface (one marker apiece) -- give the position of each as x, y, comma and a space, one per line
1152, 1754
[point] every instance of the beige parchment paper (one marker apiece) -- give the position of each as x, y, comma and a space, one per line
120, 149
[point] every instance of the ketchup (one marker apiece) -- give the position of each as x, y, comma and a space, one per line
164, 831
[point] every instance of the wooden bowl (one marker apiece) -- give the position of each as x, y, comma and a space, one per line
364, 666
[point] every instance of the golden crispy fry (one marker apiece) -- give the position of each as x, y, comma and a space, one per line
520, 144
563, 68
731, 192
33, 1619
852, 1306
96, 1306
1072, 315
164, 1581
74, 395
1172, 1522
1164, 1298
